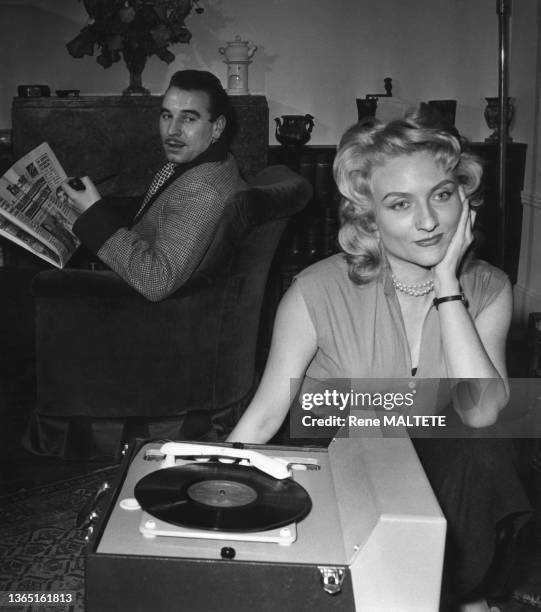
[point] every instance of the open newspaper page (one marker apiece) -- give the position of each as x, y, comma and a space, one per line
34, 212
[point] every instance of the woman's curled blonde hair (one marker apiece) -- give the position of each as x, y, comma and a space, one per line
370, 144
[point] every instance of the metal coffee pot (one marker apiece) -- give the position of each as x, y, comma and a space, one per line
238, 50
238, 55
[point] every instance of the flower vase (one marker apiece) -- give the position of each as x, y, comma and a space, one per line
135, 65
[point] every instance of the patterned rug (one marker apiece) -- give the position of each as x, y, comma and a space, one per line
41, 549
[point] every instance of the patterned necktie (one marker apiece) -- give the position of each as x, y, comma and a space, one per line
159, 179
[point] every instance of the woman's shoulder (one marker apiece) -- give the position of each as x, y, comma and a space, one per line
482, 282
478, 271
327, 292
331, 269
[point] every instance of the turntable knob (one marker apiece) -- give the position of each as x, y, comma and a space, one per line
129, 503
228, 552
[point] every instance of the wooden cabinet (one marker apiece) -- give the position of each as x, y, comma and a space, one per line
312, 235
104, 135
489, 221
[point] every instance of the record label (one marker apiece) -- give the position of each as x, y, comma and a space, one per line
222, 493
222, 497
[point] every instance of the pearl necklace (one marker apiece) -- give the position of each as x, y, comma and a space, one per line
417, 290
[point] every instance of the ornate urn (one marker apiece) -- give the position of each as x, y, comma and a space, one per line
492, 116
238, 55
294, 130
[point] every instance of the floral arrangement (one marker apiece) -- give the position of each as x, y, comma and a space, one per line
133, 29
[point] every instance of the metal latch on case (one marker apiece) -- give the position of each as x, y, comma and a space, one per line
331, 579
88, 515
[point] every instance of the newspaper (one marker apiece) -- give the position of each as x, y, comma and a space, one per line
34, 212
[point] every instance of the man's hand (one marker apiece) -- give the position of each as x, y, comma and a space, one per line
82, 199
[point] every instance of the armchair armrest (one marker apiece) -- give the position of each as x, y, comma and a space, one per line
115, 352
75, 283
100, 283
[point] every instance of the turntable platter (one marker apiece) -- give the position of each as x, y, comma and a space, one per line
224, 497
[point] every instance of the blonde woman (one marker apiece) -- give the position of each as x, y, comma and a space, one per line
404, 299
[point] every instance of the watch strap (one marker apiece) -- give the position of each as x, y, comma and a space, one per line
449, 298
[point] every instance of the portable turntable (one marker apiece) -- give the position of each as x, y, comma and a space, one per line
199, 528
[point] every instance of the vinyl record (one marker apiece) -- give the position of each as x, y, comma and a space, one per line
222, 497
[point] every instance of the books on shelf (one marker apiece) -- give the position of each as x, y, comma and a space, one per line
313, 235
34, 212
323, 179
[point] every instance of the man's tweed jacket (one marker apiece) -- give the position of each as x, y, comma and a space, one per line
160, 252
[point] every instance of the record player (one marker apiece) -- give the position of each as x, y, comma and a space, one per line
199, 528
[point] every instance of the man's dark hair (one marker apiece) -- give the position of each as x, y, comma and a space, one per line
219, 103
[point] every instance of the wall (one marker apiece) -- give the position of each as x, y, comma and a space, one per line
527, 89
317, 56
314, 56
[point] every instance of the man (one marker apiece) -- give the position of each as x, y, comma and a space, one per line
158, 249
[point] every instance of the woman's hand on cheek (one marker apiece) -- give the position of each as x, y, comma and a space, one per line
445, 273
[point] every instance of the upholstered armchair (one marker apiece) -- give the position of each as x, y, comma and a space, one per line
112, 365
